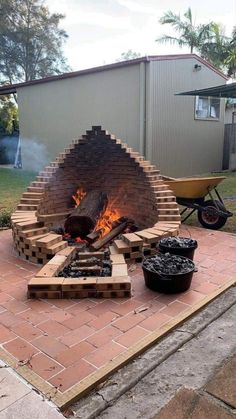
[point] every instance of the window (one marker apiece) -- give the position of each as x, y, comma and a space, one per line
207, 108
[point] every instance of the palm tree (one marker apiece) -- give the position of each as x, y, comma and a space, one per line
190, 35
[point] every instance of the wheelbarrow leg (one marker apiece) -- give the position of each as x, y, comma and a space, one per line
189, 214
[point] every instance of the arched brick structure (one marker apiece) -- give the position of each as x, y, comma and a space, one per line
96, 161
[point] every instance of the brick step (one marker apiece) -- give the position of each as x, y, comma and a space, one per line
168, 211
36, 189
34, 201
38, 184
27, 225
54, 164
165, 199
148, 237
33, 232
132, 239
53, 249
43, 178
49, 169
49, 240
25, 207
121, 246
168, 205
33, 195
31, 240
165, 192
169, 217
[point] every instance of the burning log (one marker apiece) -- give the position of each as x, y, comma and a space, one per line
108, 237
83, 219
92, 237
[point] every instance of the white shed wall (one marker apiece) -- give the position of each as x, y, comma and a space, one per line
54, 113
176, 142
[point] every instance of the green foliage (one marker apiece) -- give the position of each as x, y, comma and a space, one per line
9, 121
128, 55
5, 219
191, 35
30, 41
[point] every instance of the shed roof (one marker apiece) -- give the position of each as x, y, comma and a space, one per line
224, 90
7, 89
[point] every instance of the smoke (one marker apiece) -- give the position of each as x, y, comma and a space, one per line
8, 147
34, 155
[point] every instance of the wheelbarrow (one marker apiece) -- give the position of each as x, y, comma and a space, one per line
191, 193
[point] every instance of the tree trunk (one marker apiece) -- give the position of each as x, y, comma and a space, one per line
83, 219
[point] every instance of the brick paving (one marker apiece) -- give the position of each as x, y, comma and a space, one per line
64, 341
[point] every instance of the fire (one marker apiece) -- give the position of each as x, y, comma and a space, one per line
78, 196
105, 222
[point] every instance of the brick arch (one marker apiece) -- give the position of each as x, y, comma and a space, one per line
95, 161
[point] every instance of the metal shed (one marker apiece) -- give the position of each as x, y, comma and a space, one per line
136, 101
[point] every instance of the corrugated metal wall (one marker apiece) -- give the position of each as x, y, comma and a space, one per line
52, 114
176, 142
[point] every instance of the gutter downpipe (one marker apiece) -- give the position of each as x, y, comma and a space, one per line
142, 108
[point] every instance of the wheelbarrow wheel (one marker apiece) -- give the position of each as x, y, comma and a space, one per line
209, 217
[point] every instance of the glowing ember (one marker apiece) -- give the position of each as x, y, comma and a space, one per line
78, 196
79, 240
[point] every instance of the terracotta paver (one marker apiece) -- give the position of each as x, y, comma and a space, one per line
20, 349
44, 366
72, 375
65, 341
223, 384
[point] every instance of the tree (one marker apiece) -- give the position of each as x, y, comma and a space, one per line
128, 55
193, 36
30, 41
9, 123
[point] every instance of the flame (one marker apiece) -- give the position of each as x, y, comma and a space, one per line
105, 222
78, 196
81, 241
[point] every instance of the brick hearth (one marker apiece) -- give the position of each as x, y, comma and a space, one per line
96, 161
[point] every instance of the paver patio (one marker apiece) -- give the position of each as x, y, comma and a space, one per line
64, 346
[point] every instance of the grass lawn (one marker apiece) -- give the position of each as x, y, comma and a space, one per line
13, 182
226, 189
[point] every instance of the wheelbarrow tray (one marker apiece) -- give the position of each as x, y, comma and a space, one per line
193, 188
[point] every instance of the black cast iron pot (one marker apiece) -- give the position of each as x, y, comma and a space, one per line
170, 283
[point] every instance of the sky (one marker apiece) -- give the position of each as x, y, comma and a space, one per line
101, 30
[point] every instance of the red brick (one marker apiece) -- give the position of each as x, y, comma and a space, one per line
127, 307
15, 306
206, 288
4, 297
82, 305
75, 322
129, 321
155, 321
49, 345
103, 320
60, 316
71, 375
191, 297
33, 317
104, 354
27, 331
174, 308
6, 334
103, 336
44, 366
132, 336
103, 307
52, 328
74, 354
20, 349
9, 319
77, 335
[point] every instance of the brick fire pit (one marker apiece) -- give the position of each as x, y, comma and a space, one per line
97, 161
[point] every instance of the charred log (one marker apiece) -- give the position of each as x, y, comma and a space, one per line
83, 219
